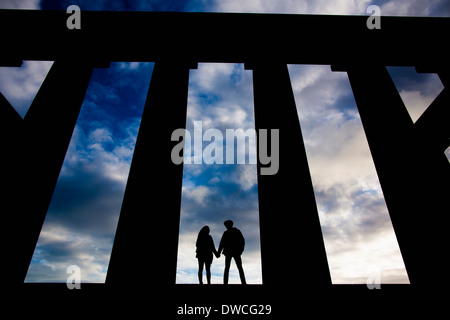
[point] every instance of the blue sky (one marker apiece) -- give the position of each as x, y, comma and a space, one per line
81, 221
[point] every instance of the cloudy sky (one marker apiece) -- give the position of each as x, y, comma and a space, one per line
82, 218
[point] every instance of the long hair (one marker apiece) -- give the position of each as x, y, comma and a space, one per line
202, 234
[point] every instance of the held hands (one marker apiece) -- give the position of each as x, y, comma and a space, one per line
217, 254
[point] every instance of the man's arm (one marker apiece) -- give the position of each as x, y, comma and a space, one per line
242, 242
221, 244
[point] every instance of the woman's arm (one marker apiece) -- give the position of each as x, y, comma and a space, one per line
213, 247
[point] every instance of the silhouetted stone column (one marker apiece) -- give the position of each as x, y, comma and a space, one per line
10, 123
414, 179
10, 131
292, 247
432, 127
444, 75
144, 256
42, 142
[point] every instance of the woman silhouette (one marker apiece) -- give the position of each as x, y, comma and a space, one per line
205, 250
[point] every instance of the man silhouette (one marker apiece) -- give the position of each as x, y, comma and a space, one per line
232, 244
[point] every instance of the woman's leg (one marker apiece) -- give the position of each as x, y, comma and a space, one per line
208, 272
200, 271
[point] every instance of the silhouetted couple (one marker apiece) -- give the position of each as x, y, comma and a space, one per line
232, 244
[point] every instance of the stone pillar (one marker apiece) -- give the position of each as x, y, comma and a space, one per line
34, 166
414, 179
146, 241
292, 247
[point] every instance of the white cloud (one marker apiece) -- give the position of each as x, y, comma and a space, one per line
356, 262
293, 6
333, 136
233, 116
100, 135
245, 175
357, 7
415, 102
261, 6
408, 7
20, 4
130, 65
92, 151
210, 76
417, 98
227, 89
199, 194
334, 7
214, 180
60, 247
20, 85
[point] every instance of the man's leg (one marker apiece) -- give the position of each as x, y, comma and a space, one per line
241, 270
227, 269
